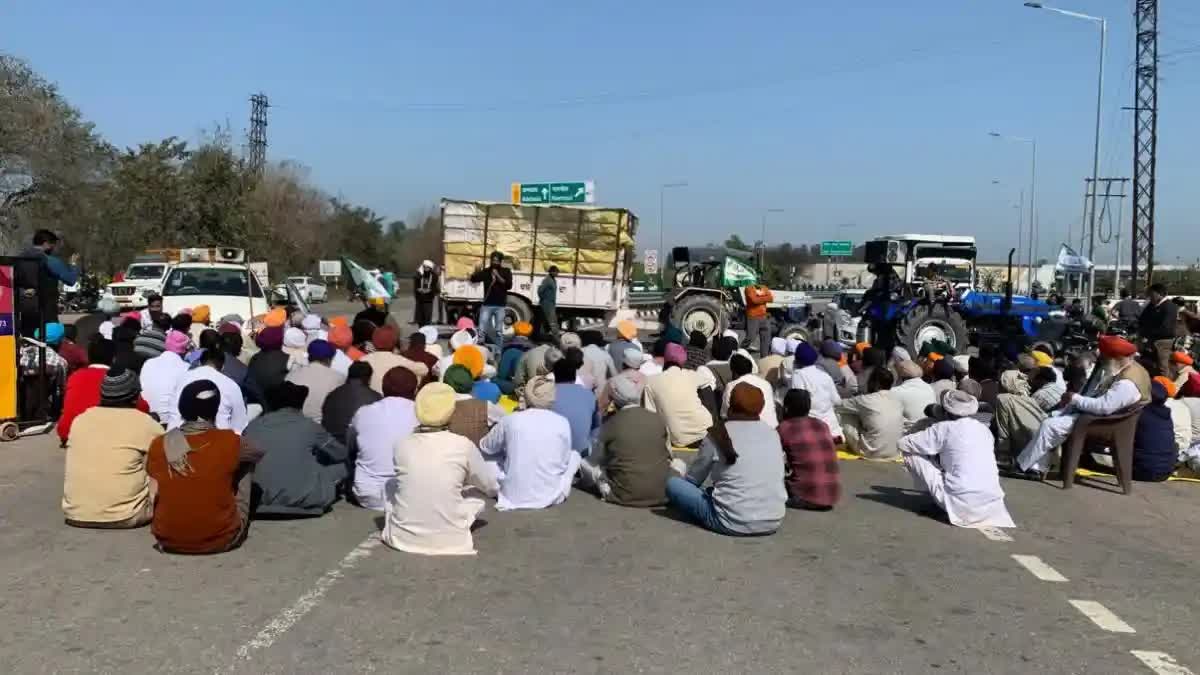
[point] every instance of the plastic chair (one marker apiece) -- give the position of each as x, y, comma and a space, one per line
1115, 431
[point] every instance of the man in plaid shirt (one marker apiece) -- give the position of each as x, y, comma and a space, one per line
810, 458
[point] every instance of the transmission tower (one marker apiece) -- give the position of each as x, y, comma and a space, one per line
258, 131
1145, 141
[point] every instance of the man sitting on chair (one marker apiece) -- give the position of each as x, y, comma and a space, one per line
1125, 384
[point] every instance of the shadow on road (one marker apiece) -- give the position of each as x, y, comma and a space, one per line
913, 501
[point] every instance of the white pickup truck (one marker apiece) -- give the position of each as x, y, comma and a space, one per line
142, 278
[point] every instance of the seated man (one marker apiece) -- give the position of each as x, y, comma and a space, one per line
631, 459
913, 393
742, 369
530, 452
675, 395
510, 357
1127, 384
1154, 446
811, 377
105, 484
953, 460
873, 422
1018, 415
373, 433
427, 511
303, 466
344, 402
812, 478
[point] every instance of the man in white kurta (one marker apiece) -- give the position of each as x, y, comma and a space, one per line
742, 369
913, 394
427, 510
530, 452
963, 480
232, 412
1123, 390
820, 387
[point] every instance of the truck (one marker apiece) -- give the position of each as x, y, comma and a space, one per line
144, 276
592, 247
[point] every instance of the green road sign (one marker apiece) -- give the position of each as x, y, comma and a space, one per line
569, 192
837, 249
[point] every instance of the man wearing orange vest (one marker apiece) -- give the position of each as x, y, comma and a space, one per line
757, 321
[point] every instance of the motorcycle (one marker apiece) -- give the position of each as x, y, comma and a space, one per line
81, 298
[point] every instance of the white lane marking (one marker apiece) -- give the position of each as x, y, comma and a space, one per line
1038, 568
305, 604
1161, 663
995, 534
1101, 616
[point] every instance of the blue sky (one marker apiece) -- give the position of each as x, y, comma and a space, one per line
873, 113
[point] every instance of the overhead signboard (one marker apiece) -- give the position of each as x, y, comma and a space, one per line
329, 268
837, 249
563, 192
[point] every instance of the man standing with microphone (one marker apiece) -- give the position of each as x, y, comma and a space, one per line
496, 280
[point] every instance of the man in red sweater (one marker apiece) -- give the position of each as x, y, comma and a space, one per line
83, 386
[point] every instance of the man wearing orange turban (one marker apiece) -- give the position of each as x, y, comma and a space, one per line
1126, 384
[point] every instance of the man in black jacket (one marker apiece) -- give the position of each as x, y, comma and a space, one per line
496, 280
37, 277
1157, 325
425, 289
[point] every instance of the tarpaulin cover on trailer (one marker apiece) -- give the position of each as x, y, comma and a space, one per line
596, 238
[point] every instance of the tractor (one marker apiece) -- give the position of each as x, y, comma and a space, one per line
706, 294
925, 291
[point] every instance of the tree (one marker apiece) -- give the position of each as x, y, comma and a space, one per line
989, 279
735, 242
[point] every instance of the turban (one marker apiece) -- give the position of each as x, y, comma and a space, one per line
119, 385
229, 327
570, 340
1026, 363
861, 347
1114, 347
461, 338
943, 370
675, 353
1042, 359
1192, 386
341, 337
108, 306
958, 403
311, 322
806, 355
908, 370
539, 393
275, 318
792, 343
294, 338
633, 358
900, 354
399, 381
430, 333
522, 329
971, 387
54, 333
178, 342
435, 405
384, 338
1167, 384
200, 314
199, 400
553, 355
626, 329
338, 321
746, 401
1014, 382
674, 334
1158, 392
962, 363
459, 379
464, 322
831, 349
779, 346
471, 358
268, 339
1182, 358
626, 389
319, 350
376, 301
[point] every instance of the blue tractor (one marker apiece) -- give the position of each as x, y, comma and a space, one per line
925, 291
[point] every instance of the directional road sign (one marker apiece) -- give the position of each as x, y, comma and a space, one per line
565, 192
837, 249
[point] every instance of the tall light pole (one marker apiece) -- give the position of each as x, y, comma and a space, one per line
763, 238
1096, 142
662, 198
1019, 207
1032, 197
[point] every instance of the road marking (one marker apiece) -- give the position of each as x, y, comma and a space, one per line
995, 534
305, 604
1161, 663
1101, 616
1038, 568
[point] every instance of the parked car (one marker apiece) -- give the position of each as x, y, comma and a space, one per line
225, 284
310, 289
842, 315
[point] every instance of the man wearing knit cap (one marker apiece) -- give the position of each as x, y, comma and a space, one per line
810, 376
530, 452
1125, 384
962, 480
84, 387
152, 341
630, 460
105, 483
427, 510
318, 376
384, 358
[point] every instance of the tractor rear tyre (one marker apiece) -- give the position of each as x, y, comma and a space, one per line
699, 313
933, 322
794, 331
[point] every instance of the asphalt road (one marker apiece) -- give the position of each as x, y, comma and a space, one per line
876, 586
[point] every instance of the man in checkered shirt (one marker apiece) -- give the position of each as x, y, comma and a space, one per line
810, 458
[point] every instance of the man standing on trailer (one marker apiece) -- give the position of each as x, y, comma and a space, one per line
496, 280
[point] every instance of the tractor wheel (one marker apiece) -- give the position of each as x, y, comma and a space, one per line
699, 312
515, 309
925, 323
794, 331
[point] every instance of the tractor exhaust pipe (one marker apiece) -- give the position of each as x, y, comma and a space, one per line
1008, 285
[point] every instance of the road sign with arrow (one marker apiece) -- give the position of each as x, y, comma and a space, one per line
567, 192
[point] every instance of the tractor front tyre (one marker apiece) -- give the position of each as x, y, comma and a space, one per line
699, 313
933, 322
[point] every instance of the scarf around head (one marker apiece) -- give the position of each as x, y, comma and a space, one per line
176, 446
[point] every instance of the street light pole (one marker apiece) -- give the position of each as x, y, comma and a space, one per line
763, 237
1091, 239
1032, 203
